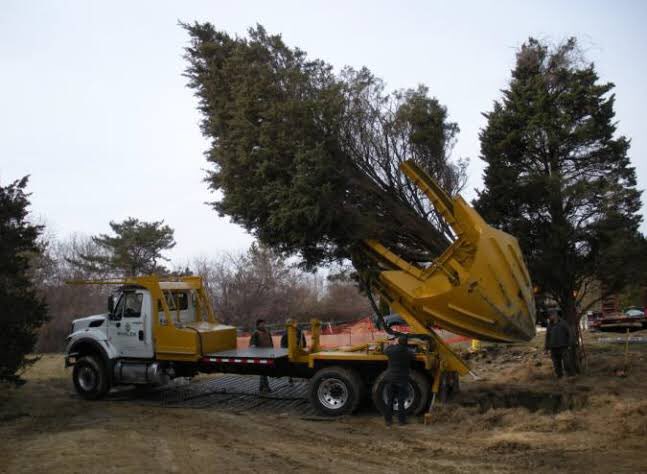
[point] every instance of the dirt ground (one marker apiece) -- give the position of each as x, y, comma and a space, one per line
515, 418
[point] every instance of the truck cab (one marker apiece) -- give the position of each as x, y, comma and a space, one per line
153, 331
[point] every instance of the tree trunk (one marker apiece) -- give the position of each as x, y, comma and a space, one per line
572, 317
569, 309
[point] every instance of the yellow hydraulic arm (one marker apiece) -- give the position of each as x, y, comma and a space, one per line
479, 287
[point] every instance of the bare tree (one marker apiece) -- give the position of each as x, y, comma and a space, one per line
261, 284
65, 302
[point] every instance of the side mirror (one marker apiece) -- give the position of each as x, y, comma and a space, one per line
111, 304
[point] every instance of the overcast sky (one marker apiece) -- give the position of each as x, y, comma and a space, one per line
93, 104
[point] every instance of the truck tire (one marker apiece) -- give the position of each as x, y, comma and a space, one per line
416, 402
336, 391
90, 378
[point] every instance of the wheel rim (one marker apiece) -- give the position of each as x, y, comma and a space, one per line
87, 378
333, 394
411, 395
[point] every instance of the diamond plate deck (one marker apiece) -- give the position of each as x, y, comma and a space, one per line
251, 353
237, 393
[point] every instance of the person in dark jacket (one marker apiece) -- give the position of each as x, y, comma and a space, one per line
559, 339
301, 344
301, 339
262, 338
397, 377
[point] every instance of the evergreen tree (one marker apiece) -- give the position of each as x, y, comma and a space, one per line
135, 249
559, 178
22, 311
307, 160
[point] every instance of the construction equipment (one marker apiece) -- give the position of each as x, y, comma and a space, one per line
479, 287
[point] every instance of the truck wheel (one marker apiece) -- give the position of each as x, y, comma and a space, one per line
336, 391
415, 403
90, 378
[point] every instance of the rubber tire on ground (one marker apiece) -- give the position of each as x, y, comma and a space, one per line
101, 383
421, 387
353, 383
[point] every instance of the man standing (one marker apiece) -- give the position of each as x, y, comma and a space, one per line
301, 344
559, 339
262, 338
301, 339
397, 377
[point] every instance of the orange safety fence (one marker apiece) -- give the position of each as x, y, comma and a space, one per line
361, 331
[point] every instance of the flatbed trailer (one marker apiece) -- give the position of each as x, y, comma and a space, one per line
367, 359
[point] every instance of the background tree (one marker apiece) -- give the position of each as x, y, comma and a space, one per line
559, 178
67, 302
256, 284
22, 310
261, 284
307, 160
135, 249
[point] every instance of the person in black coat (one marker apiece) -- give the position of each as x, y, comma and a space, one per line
301, 344
262, 337
559, 339
301, 339
397, 377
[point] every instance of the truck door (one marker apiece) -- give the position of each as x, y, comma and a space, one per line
129, 327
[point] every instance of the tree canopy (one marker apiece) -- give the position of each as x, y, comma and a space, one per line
135, 249
307, 159
559, 178
22, 310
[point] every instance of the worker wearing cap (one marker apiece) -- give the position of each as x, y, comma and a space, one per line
262, 338
558, 341
397, 377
